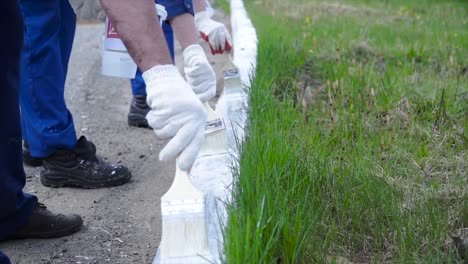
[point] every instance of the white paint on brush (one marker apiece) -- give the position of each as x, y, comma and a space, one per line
184, 239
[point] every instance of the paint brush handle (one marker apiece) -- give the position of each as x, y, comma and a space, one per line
229, 65
182, 188
214, 122
211, 113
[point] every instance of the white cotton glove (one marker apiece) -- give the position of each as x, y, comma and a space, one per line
214, 33
199, 73
175, 113
88, 9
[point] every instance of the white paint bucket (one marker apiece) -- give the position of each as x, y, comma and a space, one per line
115, 59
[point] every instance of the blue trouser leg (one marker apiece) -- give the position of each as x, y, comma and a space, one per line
50, 27
177, 7
67, 33
138, 85
15, 206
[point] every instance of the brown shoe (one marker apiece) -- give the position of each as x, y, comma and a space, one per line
44, 224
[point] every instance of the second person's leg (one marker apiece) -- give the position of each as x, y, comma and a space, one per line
138, 106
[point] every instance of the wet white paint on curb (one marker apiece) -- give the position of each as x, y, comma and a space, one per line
212, 174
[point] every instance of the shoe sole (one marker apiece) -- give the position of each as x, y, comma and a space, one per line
64, 181
57, 234
137, 121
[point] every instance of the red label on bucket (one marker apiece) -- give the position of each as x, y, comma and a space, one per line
111, 32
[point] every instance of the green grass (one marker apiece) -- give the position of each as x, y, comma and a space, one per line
358, 134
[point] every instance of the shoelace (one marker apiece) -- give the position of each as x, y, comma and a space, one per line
42, 209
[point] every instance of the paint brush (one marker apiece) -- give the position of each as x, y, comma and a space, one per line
184, 233
232, 79
216, 141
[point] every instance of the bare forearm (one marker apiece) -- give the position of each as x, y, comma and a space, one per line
184, 29
198, 5
138, 28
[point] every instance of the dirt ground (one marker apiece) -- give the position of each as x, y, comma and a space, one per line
121, 224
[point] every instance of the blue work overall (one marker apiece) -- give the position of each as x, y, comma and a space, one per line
49, 31
15, 206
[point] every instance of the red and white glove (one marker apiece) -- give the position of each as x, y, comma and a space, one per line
215, 33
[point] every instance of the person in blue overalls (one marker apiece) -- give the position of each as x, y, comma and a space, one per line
21, 216
48, 130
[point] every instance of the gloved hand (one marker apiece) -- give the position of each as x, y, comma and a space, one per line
88, 9
214, 33
198, 72
175, 112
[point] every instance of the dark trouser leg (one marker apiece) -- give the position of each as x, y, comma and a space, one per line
4, 259
15, 206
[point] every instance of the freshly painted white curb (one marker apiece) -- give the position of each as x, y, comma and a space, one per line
245, 41
213, 174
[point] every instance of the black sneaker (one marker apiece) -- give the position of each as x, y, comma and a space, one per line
81, 168
36, 162
138, 110
44, 224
